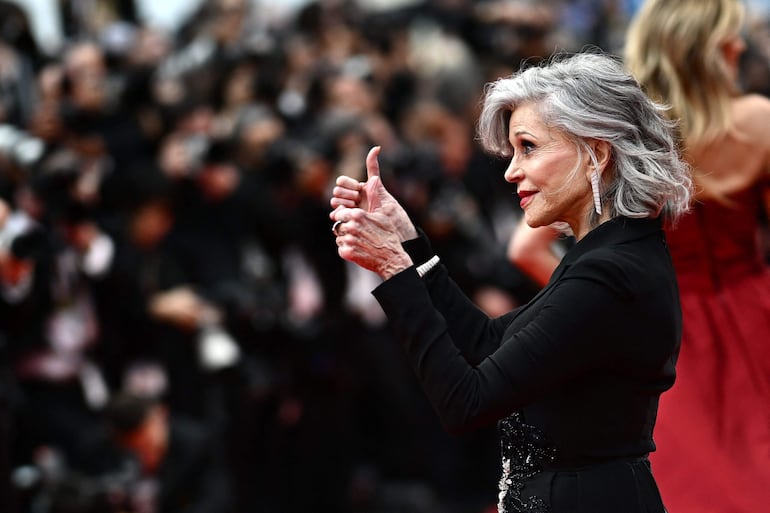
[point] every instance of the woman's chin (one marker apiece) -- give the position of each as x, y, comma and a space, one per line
532, 220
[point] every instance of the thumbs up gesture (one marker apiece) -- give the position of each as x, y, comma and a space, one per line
371, 197
369, 224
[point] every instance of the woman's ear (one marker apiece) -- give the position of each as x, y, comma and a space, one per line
732, 49
603, 152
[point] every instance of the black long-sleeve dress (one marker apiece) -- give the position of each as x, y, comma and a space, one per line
573, 377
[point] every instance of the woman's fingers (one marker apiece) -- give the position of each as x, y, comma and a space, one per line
344, 193
337, 203
347, 182
347, 193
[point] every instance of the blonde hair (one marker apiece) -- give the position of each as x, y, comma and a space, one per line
673, 48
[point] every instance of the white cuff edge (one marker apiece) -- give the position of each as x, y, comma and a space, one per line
422, 269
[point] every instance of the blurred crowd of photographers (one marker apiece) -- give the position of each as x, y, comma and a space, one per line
177, 333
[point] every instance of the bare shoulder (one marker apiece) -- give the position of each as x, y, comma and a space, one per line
751, 113
742, 157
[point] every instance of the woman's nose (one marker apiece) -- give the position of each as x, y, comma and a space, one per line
514, 173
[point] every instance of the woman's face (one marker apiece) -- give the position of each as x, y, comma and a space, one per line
552, 181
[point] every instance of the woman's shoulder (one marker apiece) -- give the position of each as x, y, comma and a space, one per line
752, 117
751, 112
752, 100
738, 160
625, 268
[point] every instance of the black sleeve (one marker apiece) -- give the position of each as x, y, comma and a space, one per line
567, 336
473, 332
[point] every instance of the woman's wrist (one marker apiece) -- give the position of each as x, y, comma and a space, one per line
407, 232
395, 265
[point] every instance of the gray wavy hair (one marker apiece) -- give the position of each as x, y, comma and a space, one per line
592, 96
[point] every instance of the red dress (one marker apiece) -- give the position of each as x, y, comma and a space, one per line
713, 427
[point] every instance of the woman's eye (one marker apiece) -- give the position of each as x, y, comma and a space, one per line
527, 146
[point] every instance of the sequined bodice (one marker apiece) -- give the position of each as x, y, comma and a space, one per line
524, 450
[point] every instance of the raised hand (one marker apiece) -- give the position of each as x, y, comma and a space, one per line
351, 193
370, 224
371, 196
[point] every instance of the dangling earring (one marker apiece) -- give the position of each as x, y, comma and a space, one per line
595, 190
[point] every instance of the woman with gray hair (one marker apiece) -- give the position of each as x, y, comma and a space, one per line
574, 376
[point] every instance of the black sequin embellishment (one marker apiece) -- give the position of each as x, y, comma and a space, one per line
524, 451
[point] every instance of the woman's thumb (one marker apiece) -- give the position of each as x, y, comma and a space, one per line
372, 164
375, 191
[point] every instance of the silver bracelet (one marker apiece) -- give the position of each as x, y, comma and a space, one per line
422, 269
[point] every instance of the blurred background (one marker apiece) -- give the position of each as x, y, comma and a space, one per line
177, 332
